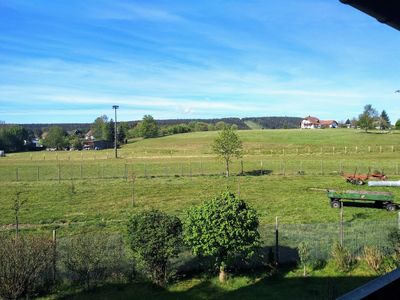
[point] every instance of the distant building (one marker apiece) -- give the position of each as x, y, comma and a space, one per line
89, 135
315, 123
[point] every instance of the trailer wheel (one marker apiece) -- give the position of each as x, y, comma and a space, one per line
360, 182
335, 204
390, 207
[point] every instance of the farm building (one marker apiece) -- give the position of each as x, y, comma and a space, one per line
313, 122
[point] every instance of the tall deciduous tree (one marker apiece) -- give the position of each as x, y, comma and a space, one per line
223, 228
397, 125
368, 118
227, 145
148, 128
98, 126
56, 138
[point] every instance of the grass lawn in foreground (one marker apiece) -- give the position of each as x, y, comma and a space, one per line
325, 283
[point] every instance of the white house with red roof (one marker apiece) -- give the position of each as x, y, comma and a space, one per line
313, 123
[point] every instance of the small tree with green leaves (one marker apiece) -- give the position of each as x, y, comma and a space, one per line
227, 145
155, 238
304, 256
223, 228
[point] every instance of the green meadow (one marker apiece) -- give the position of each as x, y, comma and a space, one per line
280, 167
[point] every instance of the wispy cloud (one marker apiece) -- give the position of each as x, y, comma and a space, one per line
133, 11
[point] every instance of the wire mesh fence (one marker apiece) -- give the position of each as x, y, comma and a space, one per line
321, 237
111, 170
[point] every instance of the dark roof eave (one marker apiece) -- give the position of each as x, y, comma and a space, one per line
386, 12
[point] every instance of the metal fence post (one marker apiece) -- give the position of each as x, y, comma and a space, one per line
276, 241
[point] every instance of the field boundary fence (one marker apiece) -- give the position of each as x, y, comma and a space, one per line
127, 169
254, 150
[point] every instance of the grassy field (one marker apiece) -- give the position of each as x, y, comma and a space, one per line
91, 191
85, 186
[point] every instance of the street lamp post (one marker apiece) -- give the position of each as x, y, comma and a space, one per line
115, 107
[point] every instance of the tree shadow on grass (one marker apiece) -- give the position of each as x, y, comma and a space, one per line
276, 287
256, 173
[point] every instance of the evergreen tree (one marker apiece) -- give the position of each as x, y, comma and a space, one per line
384, 121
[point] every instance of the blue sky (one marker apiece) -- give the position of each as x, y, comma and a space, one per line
70, 61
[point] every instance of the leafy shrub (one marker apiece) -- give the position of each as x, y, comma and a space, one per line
223, 228
342, 258
155, 238
24, 263
90, 258
374, 258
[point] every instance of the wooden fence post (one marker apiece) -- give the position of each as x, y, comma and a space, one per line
341, 229
398, 220
284, 168
322, 167
54, 255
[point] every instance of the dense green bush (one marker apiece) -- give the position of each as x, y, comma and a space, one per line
25, 263
223, 228
155, 238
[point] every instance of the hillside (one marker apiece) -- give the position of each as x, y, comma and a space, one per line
242, 123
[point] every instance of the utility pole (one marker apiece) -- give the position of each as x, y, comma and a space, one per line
115, 107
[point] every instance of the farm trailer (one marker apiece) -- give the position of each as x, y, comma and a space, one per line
380, 199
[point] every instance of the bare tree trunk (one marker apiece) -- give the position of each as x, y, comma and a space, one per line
222, 274
227, 168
